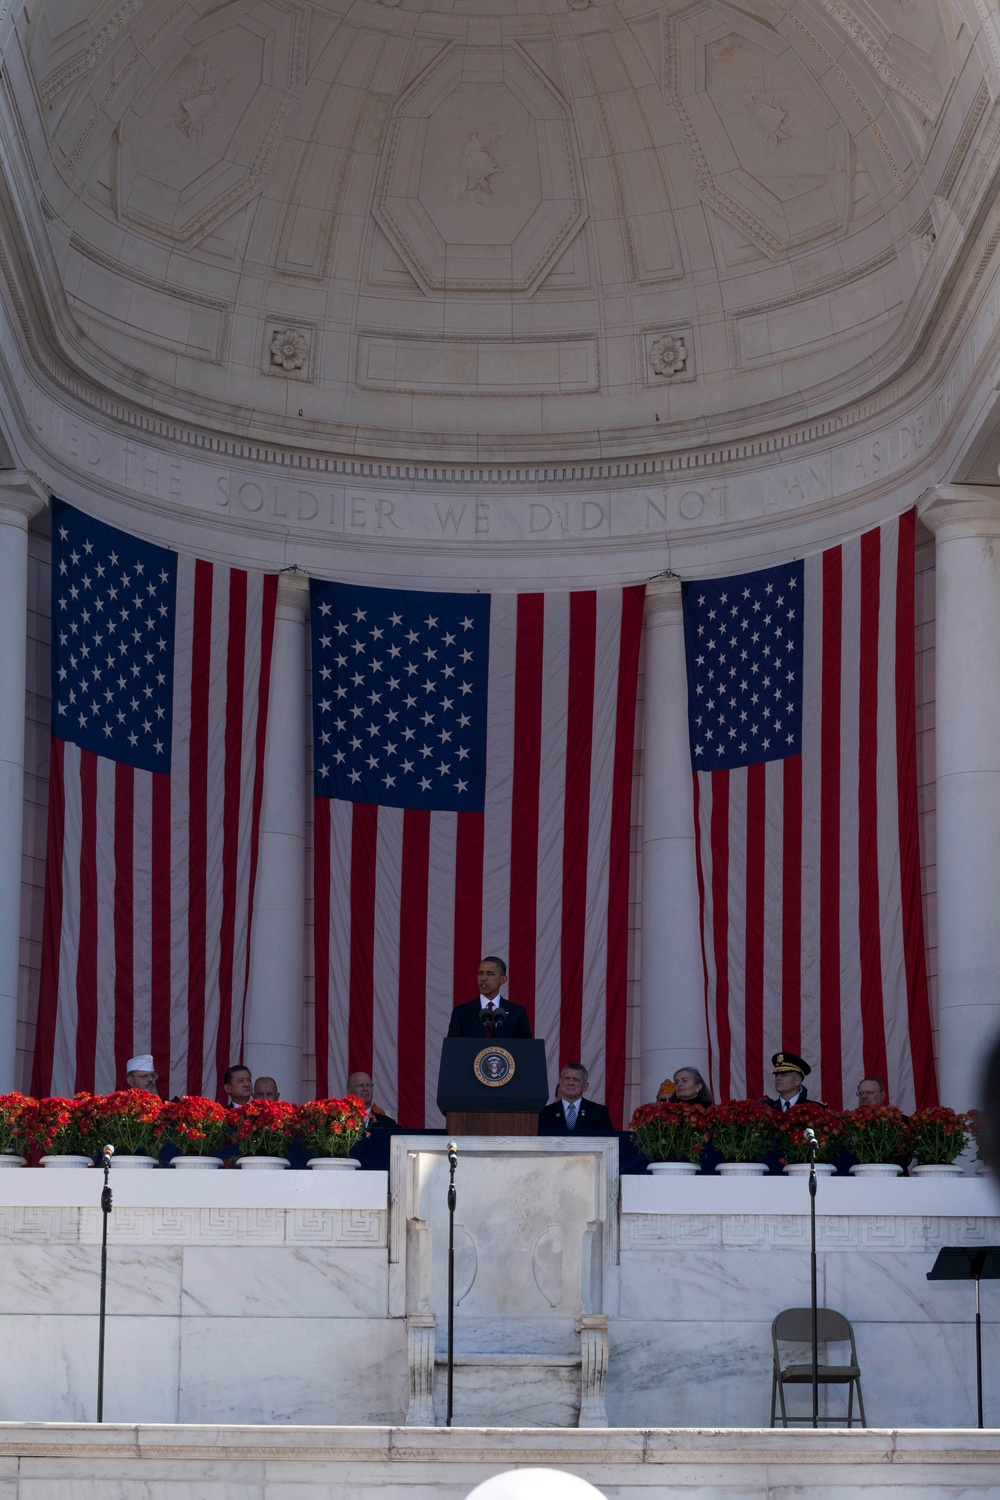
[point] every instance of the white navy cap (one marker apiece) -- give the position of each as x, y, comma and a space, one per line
143, 1064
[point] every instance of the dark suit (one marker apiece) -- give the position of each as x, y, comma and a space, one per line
380, 1120
591, 1119
466, 1020
802, 1099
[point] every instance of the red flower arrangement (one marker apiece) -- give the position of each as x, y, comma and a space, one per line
743, 1130
791, 1125
938, 1135
63, 1127
196, 1126
330, 1127
878, 1134
17, 1122
128, 1119
262, 1127
671, 1132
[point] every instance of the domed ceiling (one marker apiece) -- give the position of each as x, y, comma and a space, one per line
464, 227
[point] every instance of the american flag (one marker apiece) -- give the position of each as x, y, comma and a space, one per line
803, 746
160, 668
473, 771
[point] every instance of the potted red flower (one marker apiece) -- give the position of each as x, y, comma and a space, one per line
672, 1136
743, 1134
62, 1130
197, 1127
877, 1139
790, 1127
17, 1122
937, 1137
128, 1120
261, 1129
328, 1128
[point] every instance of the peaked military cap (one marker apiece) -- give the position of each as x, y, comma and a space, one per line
787, 1062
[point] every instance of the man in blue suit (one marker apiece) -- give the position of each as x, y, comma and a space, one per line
572, 1113
490, 1015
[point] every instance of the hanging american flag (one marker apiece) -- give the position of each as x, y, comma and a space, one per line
473, 774
802, 729
160, 668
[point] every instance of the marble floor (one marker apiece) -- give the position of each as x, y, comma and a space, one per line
67, 1461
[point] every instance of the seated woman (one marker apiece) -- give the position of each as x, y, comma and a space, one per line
690, 1087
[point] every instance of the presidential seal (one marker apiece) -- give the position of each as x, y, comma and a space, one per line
494, 1066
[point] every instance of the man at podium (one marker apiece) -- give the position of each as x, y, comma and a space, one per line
490, 1015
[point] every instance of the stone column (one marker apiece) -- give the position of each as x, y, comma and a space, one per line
21, 497
673, 1027
277, 969
965, 520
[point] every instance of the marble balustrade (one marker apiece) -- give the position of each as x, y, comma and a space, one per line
320, 1298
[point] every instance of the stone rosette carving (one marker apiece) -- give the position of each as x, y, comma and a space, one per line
289, 349
668, 355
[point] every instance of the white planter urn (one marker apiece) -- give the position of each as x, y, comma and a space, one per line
742, 1169
66, 1161
801, 1169
332, 1163
673, 1169
942, 1169
197, 1163
11, 1161
876, 1169
125, 1160
263, 1163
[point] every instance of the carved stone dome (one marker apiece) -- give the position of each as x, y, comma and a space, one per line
458, 229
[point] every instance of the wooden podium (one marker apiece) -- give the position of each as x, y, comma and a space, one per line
492, 1087
492, 1122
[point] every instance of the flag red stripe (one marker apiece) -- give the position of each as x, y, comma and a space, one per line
412, 1026
470, 835
269, 601
364, 835
321, 917
235, 656
830, 798
870, 906
86, 961
918, 1005
791, 907
124, 917
45, 1029
630, 636
720, 923
754, 940
576, 817
700, 868
524, 801
198, 823
160, 927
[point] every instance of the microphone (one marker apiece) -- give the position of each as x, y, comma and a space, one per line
106, 1156
452, 1155
491, 1019
810, 1135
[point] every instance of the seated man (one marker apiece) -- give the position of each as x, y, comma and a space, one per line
265, 1088
871, 1093
140, 1073
360, 1084
490, 1015
572, 1113
790, 1073
238, 1083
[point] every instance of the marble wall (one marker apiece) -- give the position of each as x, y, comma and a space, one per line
296, 1299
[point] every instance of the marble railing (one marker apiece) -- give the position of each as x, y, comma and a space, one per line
317, 1298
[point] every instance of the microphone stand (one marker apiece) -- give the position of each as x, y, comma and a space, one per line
109, 1151
452, 1164
813, 1145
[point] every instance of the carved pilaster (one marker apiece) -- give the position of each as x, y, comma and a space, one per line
420, 1356
593, 1369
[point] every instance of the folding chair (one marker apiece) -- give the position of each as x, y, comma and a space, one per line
794, 1326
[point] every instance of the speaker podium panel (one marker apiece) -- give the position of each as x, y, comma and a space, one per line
492, 1087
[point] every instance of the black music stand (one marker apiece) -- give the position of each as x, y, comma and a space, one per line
976, 1263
